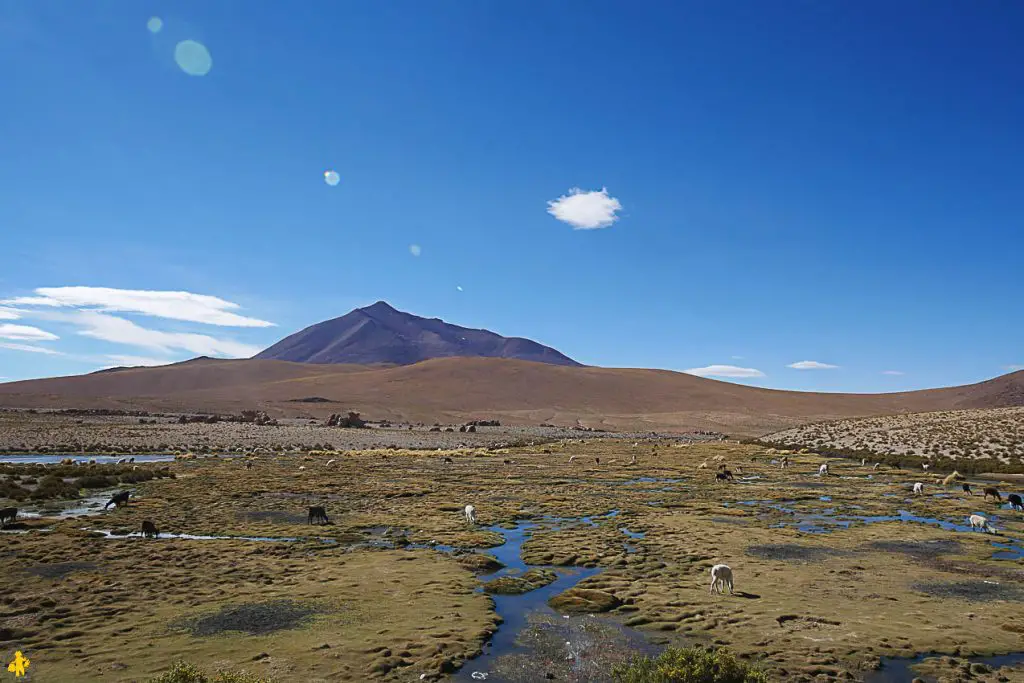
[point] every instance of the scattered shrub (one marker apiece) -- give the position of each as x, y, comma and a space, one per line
95, 481
54, 487
963, 465
10, 489
688, 665
137, 476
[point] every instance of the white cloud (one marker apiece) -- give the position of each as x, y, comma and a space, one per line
134, 361
893, 372
8, 314
415, 250
121, 331
585, 210
25, 333
31, 349
724, 371
811, 365
199, 308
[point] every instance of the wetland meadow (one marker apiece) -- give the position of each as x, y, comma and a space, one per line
584, 553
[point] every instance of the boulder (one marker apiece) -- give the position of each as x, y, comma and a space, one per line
349, 421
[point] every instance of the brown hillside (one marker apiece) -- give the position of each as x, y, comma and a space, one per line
450, 389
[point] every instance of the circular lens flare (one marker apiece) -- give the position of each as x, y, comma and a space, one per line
332, 178
193, 58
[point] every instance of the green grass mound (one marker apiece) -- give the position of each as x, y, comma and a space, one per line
523, 583
688, 665
182, 672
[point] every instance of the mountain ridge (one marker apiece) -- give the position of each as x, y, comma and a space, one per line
379, 333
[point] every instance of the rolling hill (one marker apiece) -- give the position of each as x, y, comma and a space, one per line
515, 391
379, 334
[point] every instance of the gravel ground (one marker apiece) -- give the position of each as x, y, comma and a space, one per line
25, 432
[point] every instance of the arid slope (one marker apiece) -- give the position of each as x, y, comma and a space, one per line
451, 389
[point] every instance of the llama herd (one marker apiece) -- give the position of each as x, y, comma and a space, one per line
721, 574
976, 521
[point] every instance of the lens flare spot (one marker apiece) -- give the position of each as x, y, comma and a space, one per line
332, 178
458, 288
193, 58
415, 250
155, 24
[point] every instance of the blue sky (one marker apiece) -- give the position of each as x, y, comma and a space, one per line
802, 181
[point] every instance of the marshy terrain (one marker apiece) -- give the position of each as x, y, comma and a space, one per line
584, 552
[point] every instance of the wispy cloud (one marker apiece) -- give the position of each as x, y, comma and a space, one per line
893, 372
25, 333
30, 349
121, 331
1014, 368
186, 306
585, 210
724, 371
737, 357
8, 314
811, 365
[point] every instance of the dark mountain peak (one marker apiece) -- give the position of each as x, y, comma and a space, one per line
380, 333
379, 307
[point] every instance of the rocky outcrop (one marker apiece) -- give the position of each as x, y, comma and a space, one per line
352, 420
257, 417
